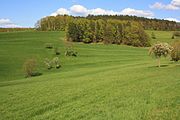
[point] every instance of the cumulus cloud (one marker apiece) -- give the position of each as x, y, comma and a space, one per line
7, 23
78, 10
61, 11
174, 5
99, 11
83, 11
172, 19
130, 11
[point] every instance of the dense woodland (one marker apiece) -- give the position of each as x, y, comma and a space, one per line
117, 29
108, 32
148, 24
60, 22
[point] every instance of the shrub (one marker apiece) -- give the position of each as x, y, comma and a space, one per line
49, 45
56, 50
52, 63
29, 67
159, 50
175, 54
153, 36
71, 53
56, 62
48, 63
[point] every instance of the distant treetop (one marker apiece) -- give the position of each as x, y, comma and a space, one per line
60, 22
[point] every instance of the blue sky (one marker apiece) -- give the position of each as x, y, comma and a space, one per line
17, 13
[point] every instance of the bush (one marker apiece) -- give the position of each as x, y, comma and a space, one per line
48, 63
49, 45
175, 54
29, 67
56, 62
71, 53
153, 35
52, 63
56, 50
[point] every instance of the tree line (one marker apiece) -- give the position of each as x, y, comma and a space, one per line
60, 22
53, 23
108, 32
15, 29
148, 24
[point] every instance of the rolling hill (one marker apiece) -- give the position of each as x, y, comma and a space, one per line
103, 82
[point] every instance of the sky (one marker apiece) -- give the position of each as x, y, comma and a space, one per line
25, 13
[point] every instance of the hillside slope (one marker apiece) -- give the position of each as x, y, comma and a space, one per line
103, 82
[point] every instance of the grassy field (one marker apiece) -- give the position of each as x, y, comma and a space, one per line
105, 82
162, 36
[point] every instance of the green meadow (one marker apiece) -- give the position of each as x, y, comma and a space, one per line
104, 82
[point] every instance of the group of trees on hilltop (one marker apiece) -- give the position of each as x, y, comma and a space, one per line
108, 32
152, 24
53, 23
60, 22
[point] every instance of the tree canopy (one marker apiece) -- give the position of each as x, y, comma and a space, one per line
108, 32
159, 50
60, 22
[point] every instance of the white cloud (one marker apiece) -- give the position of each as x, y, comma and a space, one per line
83, 11
78, 10
130, 11
99, 11
7, 23
61, 11
174, 5
172, 19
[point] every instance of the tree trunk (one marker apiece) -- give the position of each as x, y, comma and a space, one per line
159, 62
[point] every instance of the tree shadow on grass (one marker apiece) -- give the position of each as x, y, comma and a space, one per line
35, 74
158, 66
164, 65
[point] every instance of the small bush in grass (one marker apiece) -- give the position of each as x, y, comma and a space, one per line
49, 45
56, 62
159, 50
69, 50
153, 36
175, 54
30, 67
56, 50
52, 63
48, 63
71, 53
